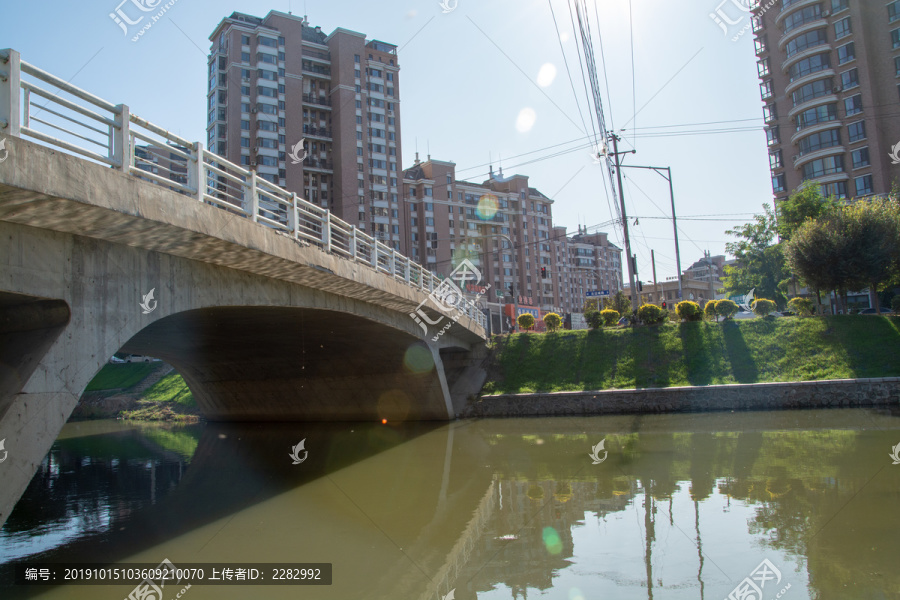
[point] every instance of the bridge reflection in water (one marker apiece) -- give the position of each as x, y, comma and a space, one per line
684, 506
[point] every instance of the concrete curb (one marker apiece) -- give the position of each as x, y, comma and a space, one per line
830, 393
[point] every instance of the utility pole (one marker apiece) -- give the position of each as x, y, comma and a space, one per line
653, 263
615, 140
675, 229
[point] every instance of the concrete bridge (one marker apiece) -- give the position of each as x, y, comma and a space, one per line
270, 307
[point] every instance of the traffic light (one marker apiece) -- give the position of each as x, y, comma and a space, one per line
544, 272
664, 304
640, 286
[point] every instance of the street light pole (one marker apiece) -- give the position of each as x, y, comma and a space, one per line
658, 171
515, 275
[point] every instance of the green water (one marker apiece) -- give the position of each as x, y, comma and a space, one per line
681, 506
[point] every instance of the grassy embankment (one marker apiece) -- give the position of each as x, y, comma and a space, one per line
167, 399
706, 353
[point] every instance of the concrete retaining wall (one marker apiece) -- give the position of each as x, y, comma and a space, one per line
749, 396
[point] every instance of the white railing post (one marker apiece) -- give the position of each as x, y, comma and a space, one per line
406, 269
293, 217
10, 80
393, 263
122, 151
353, 242
326, 232
375, 253
254, 197
195, 177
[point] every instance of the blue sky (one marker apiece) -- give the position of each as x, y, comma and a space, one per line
466, 77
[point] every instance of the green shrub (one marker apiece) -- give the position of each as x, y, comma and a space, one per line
688, 311
800, 306
709, 310
726, 308
761, 307
895, 304
609, 317
652, 314
553, 321
525, 321
593, 318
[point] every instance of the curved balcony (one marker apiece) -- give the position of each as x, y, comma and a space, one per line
799, 161
781, 16
812, 103
786, 65
808, 78
819, 23
825, 125
833, 177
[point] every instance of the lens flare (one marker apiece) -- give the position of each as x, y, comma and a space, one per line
575, 594
525, 120
488, 205
546, 75
552, 541
393, 405
418, 359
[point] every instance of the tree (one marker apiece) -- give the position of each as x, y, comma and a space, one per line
652, 314
805, 203
609, 316
726, 308
871, 231
801, 306
594, 319
552, 321
688, 310
620, 303
852, 247
589, 305
760, 263
525, 321
709, 311
762, 307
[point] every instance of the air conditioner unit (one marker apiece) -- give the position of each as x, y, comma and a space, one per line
826, 13
254, 110
252, 163
836, 89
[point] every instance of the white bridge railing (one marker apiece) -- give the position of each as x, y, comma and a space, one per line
110, 134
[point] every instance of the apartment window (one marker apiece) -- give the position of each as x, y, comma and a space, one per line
356, 58
245, 142
765, 89
850, 79
358, 119
814, 116
264, 41
359, 151
770, 113
356, 73
837, 5
820, 140
857, 131
894, 11
813, 64
863, 185
429, 221
358, 104
362, 183
778, 183
860, 158
842, 28
895, 39
763, 66
897, 65
846, 53
837, 189
245, 57
802, 17
245, 90
772, 137
760, 45
823, 166
245, 125
810, 91
853, 105
245, 40
775, 160
807, 40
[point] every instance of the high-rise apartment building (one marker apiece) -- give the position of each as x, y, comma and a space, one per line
829, 74
276, 82
583, 263
451, 219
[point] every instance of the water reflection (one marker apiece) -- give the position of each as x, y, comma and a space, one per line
684, 506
